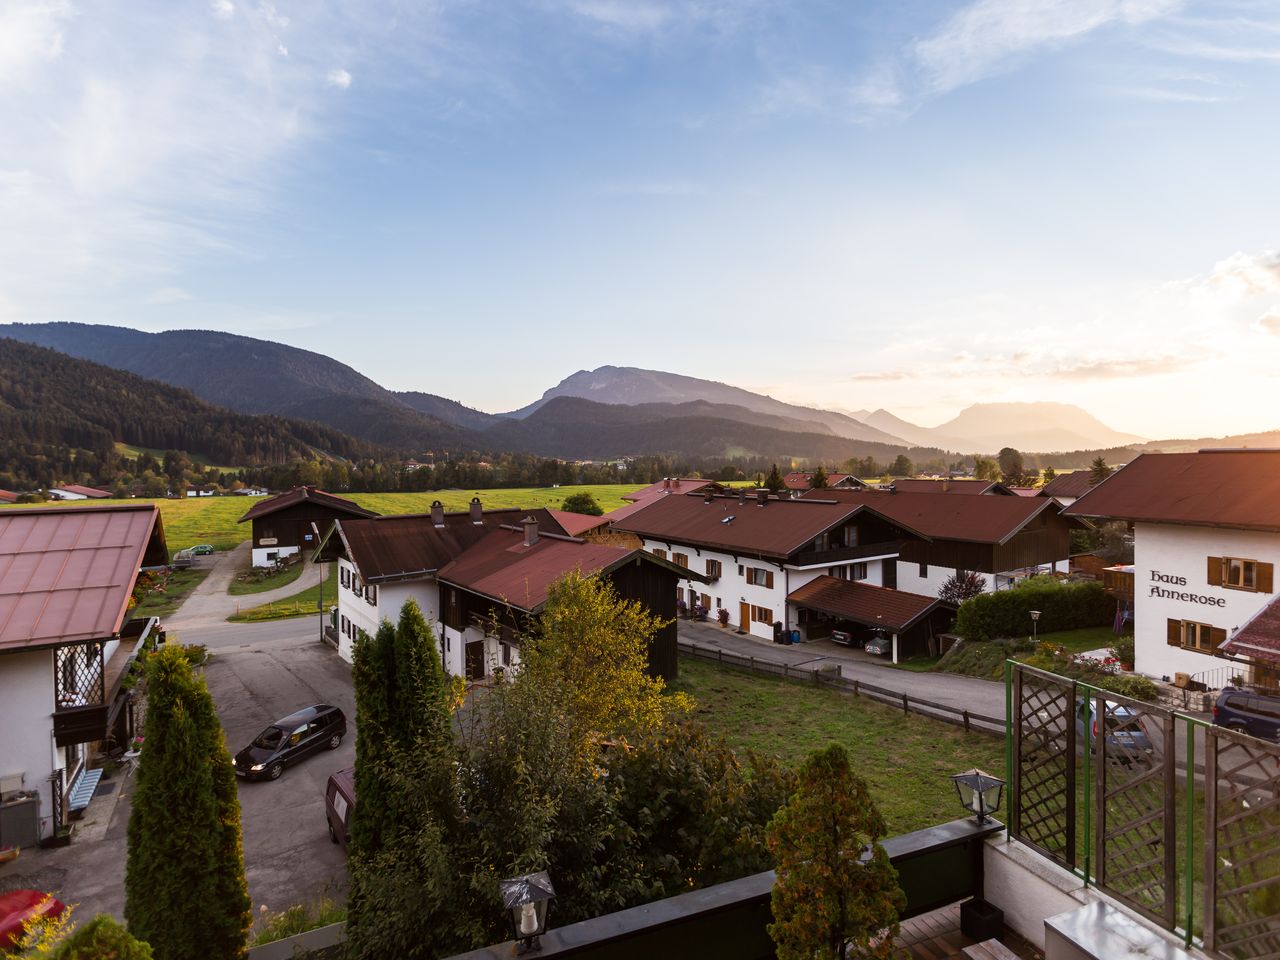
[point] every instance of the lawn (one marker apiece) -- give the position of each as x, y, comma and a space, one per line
1081, 641
906, 759
192, 520
260, 583
302, 604
163, 602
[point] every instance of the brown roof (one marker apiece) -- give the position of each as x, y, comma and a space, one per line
1071, 485
92, 493
941, 516
778, 529
1259, 638
950, 485
66, 573
875, 606
576, 524
626, 510
1221, 488
410, 546
800, 480
502, 568
673, 485
7, 496
298, 495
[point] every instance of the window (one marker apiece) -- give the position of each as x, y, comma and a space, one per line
713, 569
343, 575
371, 595
924, 570
1191, 635
761, 615
760, 577
858, 571
660, 554
706, 601
344, 625
680, 560
506, 655
1237, 573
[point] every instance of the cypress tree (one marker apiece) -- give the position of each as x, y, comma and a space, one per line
421, 709
184, 883
373, 678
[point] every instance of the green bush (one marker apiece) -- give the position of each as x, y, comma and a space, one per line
102, 938
1062, 606
1123, 650
1130, 685
1065, 665
297, 919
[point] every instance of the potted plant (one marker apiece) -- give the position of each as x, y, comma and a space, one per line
682, 609
723, 616
1123, 652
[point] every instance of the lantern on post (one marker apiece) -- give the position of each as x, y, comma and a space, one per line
1035, 622
979, 792
527, 899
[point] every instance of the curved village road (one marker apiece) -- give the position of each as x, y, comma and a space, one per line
210, 603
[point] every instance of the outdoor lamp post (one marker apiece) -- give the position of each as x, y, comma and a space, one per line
1035, 619
527, 898
979, 792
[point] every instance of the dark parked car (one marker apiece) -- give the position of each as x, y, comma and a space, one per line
339, 802
1124, 726
288, 740
1249, 711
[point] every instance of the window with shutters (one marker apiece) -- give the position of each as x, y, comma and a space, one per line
760, 577
1238, 573
344, 576
371, 595
680, 560
660, 554
713, 569
858, 571
1193, 635
761, 614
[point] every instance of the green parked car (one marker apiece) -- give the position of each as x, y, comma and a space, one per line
202, 549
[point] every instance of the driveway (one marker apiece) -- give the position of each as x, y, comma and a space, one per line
258, 673
210, 603
985, 697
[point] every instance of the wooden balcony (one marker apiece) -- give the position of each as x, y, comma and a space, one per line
834, 555
86, 685
1118, 582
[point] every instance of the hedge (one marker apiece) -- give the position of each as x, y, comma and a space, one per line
1062, 606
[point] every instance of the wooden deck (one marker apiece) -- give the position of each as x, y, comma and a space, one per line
936, 935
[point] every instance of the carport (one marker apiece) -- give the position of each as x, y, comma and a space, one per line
912, 620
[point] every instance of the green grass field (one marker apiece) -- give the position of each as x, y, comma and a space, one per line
132, 452
273, 581
304, 603
906, 759
192, 520
180, 585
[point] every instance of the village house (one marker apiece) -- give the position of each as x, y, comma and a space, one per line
384, 561
668, 486
1067, 488
66, 645
754, 550
1206, 529
1003, 538
74, 491
960, 485
291, 522
801, 480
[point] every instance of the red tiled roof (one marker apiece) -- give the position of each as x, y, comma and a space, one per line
66, 573
776, 530
1071, 485
800, 480
942, 516
1221, 488
305, 494
411, 545
7, 496
676, 485
502, 568
875, 606
576, 524
1025, 491
93, 493
950, 485
627, 509
1259, 638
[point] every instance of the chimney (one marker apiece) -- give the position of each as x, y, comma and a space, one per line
437, 513
530, 531
742, 496
666, 484
762, 496
708, 495
946, 484
477, 512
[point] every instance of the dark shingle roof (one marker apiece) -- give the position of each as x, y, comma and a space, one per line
866, 603
941, 516
950, 485
1068, 485
308, 495
1221, 488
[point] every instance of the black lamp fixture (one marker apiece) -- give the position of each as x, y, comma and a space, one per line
979, 792
1035, 620
527, 899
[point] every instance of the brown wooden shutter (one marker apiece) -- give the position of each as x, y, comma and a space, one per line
768, 579
1215, 571
1217, 637
1175, 633
1264, 577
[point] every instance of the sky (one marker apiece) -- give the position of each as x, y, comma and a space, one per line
887, 203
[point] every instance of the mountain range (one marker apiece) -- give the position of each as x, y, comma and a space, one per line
608, 412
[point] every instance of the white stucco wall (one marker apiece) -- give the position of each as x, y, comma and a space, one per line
910, 581
26, 717
1182, 552
390, 598
261, 556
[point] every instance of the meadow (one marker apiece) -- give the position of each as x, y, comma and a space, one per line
192, 520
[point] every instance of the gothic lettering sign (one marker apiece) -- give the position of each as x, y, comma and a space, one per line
1156, 590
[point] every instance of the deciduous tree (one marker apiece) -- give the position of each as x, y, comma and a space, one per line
184, 882
901, 466
1011, 466
961, 586
582, 502
833, 897
985, 468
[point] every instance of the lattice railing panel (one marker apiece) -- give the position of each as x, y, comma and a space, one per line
78, 675
1043, 795
1242, 855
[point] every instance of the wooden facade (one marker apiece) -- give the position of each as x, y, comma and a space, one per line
1046, 539
291, 526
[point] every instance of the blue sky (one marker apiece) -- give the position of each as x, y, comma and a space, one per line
915, 205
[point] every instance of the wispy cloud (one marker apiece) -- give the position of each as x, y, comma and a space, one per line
338, 78
31, 34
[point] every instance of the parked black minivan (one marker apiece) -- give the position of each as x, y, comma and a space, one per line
289, 739
1249, 711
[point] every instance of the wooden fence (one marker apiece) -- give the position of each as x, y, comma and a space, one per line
830, 676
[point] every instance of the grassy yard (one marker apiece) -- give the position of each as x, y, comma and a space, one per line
272, 581
163, 602
906, 759
301, 604
192, 520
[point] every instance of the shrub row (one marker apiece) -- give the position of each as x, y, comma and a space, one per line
1062, 606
